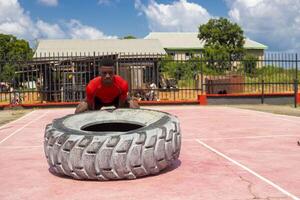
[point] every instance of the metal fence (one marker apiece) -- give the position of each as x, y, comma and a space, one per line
151, 77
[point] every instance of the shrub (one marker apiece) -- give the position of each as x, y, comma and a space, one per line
249, 64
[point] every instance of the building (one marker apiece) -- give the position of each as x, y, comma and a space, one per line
67, 65
80, 47
182, 45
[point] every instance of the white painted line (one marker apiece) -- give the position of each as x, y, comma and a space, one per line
20, 147
188, 140
9, 123
248, 137
249, 170
16, 131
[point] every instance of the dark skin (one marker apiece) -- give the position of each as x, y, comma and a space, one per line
107, 75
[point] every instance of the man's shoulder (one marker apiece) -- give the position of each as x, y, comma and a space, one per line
95, 82
120, 80
121, 83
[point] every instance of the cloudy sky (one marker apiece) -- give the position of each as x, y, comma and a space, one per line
275, 23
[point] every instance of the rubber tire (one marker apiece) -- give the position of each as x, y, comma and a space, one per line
112, 155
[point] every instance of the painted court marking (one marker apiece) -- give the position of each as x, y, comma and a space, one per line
12, 122
16, 131
248, 170
238, 138
248, 137
20, 147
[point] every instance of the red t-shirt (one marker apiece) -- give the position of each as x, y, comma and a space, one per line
106, 94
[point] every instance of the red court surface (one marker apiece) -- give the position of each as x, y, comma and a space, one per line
226, 153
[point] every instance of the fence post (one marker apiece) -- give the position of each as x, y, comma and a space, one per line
296, 84
296, 93
263, 92
94, 65
157, 65
201, 71
10, 99
117, 66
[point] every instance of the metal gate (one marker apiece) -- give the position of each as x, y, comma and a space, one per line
73, 88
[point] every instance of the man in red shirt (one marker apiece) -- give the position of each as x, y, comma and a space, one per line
106, 90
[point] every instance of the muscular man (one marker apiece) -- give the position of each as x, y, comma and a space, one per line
106, 90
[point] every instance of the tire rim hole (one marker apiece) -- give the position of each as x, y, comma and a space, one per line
111, 127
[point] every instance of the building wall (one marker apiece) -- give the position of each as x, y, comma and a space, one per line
259, 53
183, 54
256, 52
186, 54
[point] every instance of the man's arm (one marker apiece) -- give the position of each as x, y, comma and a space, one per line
82, 107
123, 102
128, 103
89, 96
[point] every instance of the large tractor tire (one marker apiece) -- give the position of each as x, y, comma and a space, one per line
112, 144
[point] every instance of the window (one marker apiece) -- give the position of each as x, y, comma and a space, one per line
188, 55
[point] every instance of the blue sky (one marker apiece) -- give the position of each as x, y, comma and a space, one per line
275, 23
118, 18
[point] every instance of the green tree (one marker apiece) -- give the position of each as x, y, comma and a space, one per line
216, 58
12, 50
178, 70
224, 40
8, 73
129, 37
249, 64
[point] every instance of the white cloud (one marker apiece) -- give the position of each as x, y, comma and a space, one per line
104, 1
71, 29
273, 22
180, 15
78, 30
49, 2
14, 20
47, 30
107, 2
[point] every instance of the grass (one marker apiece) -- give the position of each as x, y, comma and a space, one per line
275, 109
7, 116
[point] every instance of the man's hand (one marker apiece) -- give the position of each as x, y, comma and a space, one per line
82, 107
133, 104
123, 104
128, 103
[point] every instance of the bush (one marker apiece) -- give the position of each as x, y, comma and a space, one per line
271, 73
178, 69
217, 59
249, 64
8, 73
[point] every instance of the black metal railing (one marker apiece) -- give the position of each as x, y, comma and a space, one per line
151, 77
